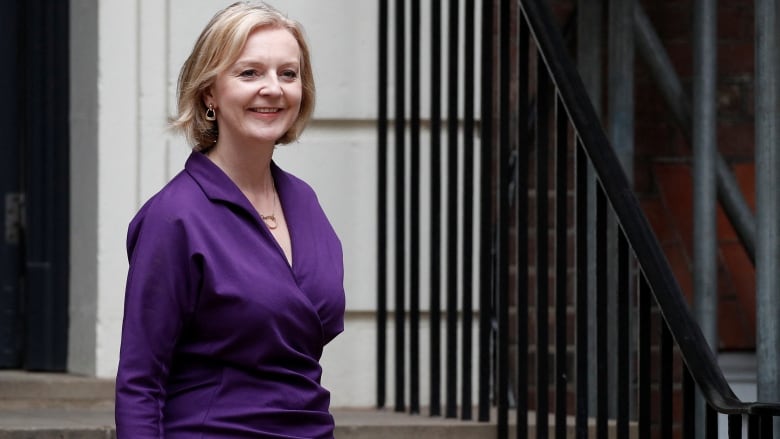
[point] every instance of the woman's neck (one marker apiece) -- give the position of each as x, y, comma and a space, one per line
249, 168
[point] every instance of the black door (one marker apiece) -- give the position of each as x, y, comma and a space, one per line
10, 191
34, 177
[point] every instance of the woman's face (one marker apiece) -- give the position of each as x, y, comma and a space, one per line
258, 98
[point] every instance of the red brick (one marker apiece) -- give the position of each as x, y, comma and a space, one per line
681, 267
659, 139
745, 174
733, 331
735, 58
671, 21
732, 100
651, 104
735, 21
726, 232
736, 139
656, 215
676, 188
681, 55
743, 279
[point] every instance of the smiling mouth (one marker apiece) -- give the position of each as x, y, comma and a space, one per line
265, 110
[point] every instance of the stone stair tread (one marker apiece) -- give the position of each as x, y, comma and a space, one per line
67, 417
52, 422
29, 411
56, 418
20, 386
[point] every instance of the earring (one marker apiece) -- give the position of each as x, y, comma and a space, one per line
210, 113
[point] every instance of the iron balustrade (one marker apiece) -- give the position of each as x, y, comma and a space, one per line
516, 245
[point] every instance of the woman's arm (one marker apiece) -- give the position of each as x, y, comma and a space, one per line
158, 297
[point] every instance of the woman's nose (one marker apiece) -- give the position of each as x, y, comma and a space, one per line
270, 86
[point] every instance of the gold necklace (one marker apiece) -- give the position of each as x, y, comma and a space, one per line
270, 220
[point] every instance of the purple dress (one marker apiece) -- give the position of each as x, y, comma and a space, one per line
221, 336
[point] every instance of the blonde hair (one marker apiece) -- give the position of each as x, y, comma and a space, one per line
218, 47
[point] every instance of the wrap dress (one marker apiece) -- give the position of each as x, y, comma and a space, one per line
221, 336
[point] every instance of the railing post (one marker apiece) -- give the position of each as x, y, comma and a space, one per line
502, 216
414, 209
666, 381
621, 82
590, 37
541, 148
690, 426
624, 329
766, 426
485, 212
436, 206
561, 266
468, 209
752, 429
768, 199
644, 408
705, 143
451, 376
400, 206
521, 178
583, 305
602, 365
710, 421
620, 119
381, 276
735, 426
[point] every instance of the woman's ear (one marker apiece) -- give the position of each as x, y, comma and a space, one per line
208, 97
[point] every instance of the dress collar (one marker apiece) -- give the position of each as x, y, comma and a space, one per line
218, 186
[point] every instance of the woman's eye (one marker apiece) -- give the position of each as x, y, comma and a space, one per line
290, 74
248, 73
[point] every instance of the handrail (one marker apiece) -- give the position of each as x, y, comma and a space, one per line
694, 349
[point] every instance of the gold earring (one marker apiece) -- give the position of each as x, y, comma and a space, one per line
211, 115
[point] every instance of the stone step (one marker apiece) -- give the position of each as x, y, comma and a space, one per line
67, 423
80, 423
66, 406
63, 406
19, 389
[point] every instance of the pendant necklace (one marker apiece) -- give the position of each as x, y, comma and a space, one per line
270, 220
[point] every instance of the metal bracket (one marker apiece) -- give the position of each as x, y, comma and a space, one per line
14, 217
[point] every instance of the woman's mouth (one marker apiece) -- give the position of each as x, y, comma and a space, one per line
265, 110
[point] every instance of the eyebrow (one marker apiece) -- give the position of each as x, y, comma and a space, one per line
252, 63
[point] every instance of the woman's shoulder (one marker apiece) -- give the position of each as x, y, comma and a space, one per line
178, 197
165, 216
294, 184
292, 179
173, 205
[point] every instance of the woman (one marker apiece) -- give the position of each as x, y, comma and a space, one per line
235, 280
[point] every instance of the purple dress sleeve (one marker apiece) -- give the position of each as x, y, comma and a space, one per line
158, 298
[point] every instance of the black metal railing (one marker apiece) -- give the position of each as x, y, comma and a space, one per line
517, 244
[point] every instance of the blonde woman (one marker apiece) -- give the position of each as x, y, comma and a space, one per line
236, 279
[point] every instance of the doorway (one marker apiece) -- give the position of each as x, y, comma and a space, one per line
34, 184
